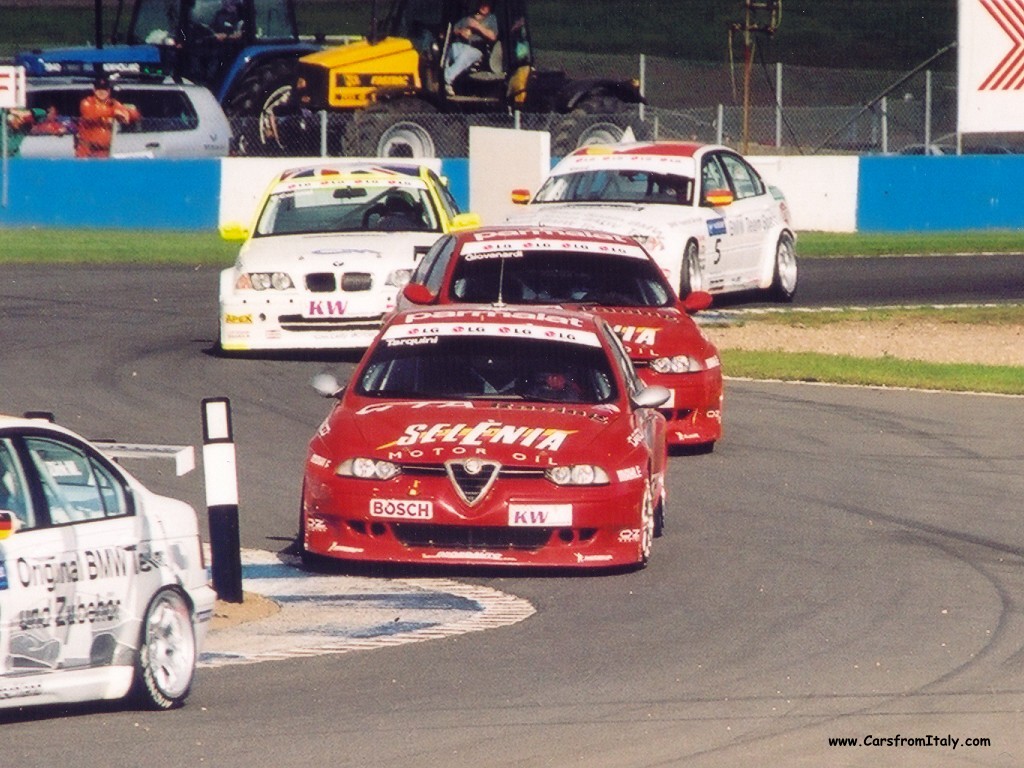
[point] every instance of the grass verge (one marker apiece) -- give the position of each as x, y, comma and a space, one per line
877, 372
97, 246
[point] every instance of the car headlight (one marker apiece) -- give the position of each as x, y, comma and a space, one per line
399, 278
262, 281
677, 364
368, 469
577, 474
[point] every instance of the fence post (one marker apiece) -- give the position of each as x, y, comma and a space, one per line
643, 83
927, 109
885, 124
323, 133
222, 499
778, 104
720, 120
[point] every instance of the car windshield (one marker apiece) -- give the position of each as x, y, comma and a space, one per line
556, 277
348, 208
445, 367
617, 186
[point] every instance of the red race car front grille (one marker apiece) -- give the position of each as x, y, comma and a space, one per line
470, 537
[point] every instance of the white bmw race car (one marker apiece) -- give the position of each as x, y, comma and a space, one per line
702, 211
103, 588
332, 247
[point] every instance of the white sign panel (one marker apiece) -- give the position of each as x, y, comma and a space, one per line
12, 88
991, 66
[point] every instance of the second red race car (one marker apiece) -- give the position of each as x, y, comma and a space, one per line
611, 275
478, 436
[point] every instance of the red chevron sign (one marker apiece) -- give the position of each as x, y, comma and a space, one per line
1009, 73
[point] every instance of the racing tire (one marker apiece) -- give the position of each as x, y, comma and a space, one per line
266, 94
166, 659
595, 120
691, 277
648, 526
784, 275
659, 519
407, 128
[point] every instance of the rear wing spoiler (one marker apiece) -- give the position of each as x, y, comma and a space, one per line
184, 456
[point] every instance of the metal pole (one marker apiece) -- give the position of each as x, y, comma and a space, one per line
6, 160
323, 133
643, 83
928, 108
885, 124
778, 104
222, 499
720, 121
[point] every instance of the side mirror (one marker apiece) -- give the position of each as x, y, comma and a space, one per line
234, 232
718, 198
418, 293
327, 385
651, 397
465, 221
697, 301
521, 196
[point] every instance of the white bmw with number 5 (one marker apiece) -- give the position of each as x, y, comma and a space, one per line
103, 589
702, 211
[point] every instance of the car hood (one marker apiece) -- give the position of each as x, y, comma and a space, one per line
650, 332
510, 432
332, 251
619, 218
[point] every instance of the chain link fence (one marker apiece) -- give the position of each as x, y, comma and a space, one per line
790, 110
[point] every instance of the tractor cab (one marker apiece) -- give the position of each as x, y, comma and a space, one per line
430, 26
202, 39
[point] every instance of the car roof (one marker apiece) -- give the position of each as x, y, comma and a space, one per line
67, 82
678, 157
21, 422
341, 172
578, 240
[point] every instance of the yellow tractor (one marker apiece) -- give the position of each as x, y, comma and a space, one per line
392, 85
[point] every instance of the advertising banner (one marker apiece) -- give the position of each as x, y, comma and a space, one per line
991, 66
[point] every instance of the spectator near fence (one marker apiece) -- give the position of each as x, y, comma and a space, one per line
97, 114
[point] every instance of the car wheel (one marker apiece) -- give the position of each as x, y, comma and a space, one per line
783, 286
647, 527
266, 95
692, 277
166, 660
405, 128
595, 120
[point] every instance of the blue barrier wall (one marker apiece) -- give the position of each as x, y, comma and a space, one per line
119, 194
135, 194
894, 193
921, 194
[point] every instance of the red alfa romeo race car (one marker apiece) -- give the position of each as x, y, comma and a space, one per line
611, 275
488, 436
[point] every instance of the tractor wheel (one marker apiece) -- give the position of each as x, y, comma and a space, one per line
595, 120
266, 94
405, 128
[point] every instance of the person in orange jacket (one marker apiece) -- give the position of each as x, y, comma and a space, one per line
97, 114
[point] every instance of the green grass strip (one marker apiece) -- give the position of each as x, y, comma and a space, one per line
879, 372
837, 244
102, 246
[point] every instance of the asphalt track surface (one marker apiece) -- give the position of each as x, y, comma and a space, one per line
847, 563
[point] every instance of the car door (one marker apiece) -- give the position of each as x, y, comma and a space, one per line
750, 213
34, 575
725, 229
89, 508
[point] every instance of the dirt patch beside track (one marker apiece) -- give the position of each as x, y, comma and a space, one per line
928, 341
